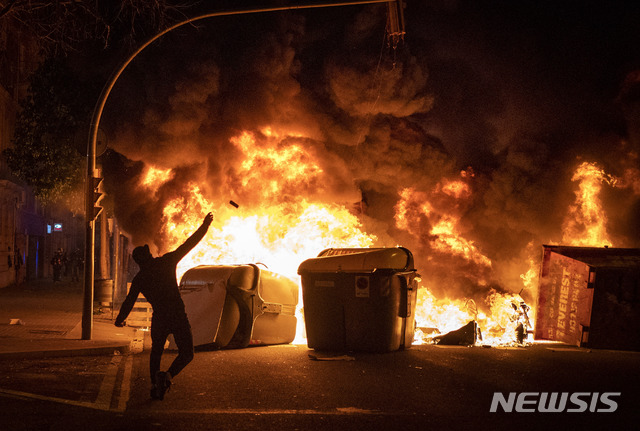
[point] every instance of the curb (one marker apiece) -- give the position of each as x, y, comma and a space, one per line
106, 342
59, 353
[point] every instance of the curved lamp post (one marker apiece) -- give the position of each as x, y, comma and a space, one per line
87, 309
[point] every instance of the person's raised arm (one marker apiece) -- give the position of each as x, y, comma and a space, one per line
194, 239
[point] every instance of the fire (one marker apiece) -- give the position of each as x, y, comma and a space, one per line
281, 161
504, 323
441, 315
450, 241
530, 278
271, 228
278, 233
457, 189
586, 222
154, 177
280, 237
508, 316
444, 234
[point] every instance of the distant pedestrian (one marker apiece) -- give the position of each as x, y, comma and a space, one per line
65, 263
156, 280
17, 265
57, 263
76, 264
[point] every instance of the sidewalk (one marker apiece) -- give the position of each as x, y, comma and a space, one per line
43, 319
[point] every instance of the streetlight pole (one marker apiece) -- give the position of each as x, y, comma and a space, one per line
87, 306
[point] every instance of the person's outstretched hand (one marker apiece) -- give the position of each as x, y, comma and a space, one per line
208, 219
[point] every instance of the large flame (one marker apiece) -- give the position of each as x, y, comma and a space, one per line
444, 234
500, 314
279, 233
586, 223
282, 232
154, 177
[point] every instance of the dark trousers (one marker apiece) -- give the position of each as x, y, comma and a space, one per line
160, 330
57, 272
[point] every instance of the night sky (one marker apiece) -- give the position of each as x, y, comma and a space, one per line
516, 92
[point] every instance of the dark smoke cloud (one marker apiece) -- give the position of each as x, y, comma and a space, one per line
519, 92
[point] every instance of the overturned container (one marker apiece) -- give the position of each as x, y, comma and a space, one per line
590, 297
234, 306
359, 299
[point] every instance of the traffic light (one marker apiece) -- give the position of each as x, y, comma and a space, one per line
97, 196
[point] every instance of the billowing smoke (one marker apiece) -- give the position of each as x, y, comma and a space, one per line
390, 129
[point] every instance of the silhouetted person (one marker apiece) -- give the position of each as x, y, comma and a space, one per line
156, 280
76, 264
65, 263
57, 262
17, 264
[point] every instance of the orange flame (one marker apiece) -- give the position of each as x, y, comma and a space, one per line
504, 315
450, 241
276, 160
154, 177
501, 314
281, 232
456, 189
444, 233
586, 223
278, 234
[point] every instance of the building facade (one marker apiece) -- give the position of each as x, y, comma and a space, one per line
29, 233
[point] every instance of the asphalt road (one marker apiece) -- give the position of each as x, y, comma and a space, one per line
283, 387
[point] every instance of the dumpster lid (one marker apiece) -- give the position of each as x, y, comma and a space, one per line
359, 259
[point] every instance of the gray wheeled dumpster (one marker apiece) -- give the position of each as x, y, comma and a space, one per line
359, 299
234, 306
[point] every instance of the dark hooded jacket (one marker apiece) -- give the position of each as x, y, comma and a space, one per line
156, 280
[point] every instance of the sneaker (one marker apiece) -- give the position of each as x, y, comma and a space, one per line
163, 383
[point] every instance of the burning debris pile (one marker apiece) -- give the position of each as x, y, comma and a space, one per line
510, 325
325, 140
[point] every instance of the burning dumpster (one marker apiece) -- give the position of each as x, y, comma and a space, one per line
359, 299
590, 297
239, 305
